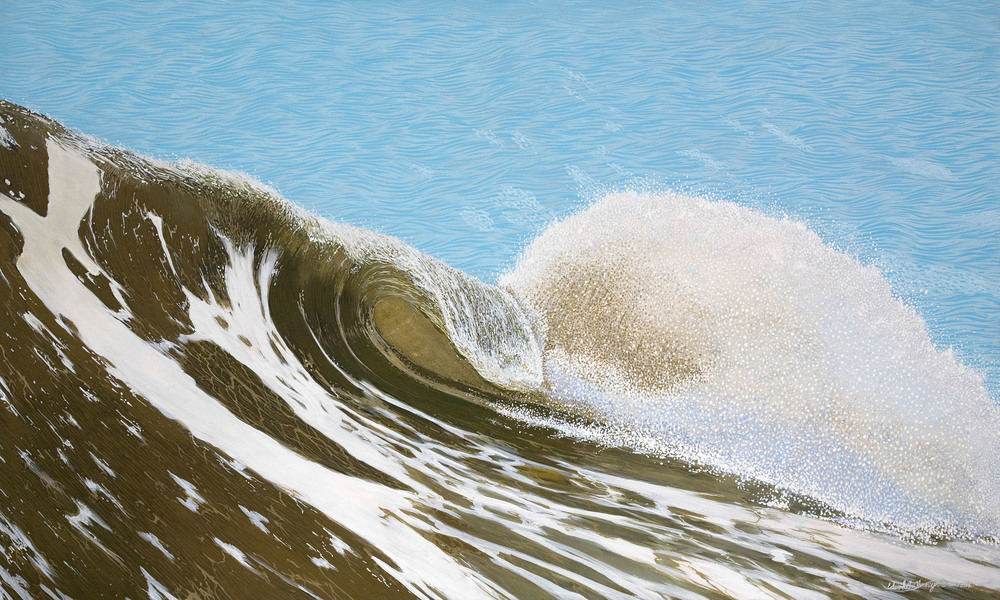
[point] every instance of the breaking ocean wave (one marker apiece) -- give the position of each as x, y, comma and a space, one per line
207, 392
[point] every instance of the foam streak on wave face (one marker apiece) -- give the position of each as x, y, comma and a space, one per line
743, 341
74, 182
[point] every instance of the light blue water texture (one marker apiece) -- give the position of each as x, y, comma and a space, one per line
464, 128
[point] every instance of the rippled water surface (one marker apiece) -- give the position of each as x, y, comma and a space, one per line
745, 342
466, 130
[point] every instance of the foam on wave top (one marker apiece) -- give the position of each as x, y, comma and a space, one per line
744, 341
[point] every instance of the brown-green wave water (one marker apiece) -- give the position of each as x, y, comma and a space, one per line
208, 393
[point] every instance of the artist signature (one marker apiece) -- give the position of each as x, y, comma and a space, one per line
912, 585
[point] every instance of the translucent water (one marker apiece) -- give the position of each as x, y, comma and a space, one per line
745, 340
464, 131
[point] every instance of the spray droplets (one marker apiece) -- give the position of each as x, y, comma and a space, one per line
744, 340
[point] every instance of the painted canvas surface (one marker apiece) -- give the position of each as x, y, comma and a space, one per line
499, 300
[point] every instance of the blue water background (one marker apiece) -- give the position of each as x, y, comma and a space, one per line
464, 128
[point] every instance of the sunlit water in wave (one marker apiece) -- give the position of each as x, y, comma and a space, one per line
744, 342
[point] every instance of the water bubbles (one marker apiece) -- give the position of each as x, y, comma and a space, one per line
770, 353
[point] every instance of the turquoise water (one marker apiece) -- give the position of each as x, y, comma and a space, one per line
466, 130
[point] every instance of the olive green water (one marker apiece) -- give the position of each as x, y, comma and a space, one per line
205, 393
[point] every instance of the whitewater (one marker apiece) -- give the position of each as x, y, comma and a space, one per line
210, 392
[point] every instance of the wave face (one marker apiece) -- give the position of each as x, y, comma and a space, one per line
206, 392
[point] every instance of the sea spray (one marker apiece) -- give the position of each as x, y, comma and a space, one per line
743, 341
201, 395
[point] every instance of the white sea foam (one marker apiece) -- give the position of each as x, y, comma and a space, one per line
193, 499
744, 341
155, 589
16, 542
259, 520
640, 405
74, 182
7, 140
155, 541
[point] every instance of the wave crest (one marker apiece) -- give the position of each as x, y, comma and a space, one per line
743, 341
714, 333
